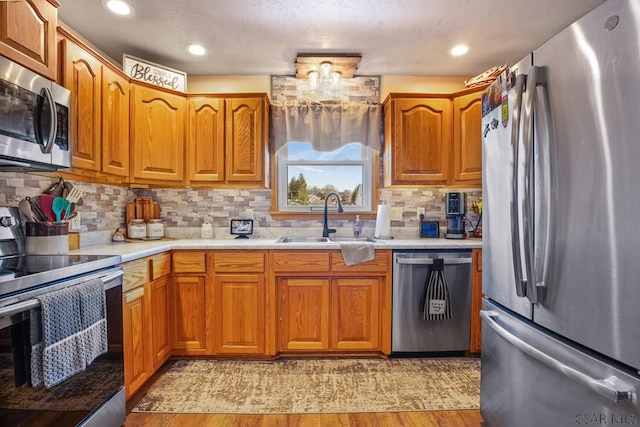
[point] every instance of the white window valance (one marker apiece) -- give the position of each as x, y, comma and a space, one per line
326, 125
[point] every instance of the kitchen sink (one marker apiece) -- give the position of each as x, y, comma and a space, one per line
351, 239
323, 239
302, 239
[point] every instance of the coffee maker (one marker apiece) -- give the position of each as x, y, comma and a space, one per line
454, 209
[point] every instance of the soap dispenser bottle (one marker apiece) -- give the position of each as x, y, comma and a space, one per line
357, 227
206, 232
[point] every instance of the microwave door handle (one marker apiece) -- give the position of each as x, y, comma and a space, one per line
514, 209
47, 146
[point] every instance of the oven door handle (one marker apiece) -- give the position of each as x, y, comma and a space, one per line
110, 281
427, 261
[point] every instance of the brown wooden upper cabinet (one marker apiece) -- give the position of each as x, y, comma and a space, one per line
433, 139
28, 34
228, 137
157, 134
99, 113
417, 139
467, 138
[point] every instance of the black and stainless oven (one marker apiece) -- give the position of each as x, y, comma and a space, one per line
93, 396
34, 120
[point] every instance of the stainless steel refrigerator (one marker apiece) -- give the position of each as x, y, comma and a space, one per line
561, 261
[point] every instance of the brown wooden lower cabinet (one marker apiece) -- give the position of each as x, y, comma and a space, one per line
355, 313
325, 306
188, 309
303, 314
476, 302
239, 314
161, 345
138, 364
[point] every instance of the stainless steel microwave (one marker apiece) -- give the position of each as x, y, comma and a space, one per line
34, 120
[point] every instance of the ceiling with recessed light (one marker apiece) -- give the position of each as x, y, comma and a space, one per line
264, 37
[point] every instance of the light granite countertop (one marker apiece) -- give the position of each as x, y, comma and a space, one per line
129, 251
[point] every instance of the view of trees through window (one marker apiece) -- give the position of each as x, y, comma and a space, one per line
301, 192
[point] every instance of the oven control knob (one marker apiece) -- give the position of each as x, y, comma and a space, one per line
6, 221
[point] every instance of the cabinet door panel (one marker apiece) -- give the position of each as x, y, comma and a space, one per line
161, 346
157, 134
245, 118
206, 139
355, 311
136, 328
28, 34
304, 314
83, 77
422, 138
240, 314
467, 138
188, 313
115, 123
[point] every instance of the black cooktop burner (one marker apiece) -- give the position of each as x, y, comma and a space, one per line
20, 272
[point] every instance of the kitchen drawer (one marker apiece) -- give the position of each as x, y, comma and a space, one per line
381, 263
300, 262
135, 274
160, 265
239, 262
189, 262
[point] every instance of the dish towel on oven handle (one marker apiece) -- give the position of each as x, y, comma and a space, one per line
68, 332
436, 302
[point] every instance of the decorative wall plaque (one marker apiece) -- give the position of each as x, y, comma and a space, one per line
154, 74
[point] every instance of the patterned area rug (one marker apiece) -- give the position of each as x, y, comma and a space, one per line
294, 386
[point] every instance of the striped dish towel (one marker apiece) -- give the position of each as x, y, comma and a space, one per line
436, 302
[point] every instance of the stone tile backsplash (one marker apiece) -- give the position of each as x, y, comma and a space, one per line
184, 210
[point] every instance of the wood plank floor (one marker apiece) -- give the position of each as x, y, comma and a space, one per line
466, 418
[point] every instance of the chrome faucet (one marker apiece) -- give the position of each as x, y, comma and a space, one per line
326, 230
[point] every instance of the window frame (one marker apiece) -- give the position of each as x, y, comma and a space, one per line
279, 187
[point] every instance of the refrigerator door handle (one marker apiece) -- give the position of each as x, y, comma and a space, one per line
514, 209
528, 182
610, 387
546, 144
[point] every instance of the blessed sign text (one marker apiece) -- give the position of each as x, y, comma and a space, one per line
154, 74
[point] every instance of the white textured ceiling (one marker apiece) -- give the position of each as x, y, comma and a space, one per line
394, 37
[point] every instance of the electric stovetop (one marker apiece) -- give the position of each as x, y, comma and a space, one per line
21, 272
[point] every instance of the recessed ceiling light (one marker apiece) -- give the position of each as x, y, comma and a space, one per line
119, 7
196, 49
459, 50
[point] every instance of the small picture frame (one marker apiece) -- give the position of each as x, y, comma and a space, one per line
241, 228
430, 229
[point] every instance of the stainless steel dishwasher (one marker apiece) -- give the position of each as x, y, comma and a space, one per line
410, 332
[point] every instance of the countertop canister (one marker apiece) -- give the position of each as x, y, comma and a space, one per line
137, 229
155, 229
47, 238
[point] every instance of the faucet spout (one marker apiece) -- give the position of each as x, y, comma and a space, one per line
325, 229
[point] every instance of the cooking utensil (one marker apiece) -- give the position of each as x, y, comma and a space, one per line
56, 189
25, 209
74, 195
45, 201
38, 215
68, 188
58, 206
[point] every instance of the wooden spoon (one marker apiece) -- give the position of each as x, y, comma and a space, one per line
25, 209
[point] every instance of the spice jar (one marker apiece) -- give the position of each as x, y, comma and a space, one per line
137, 229
155, 229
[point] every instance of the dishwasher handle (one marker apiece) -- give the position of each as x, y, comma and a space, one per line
428, 261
